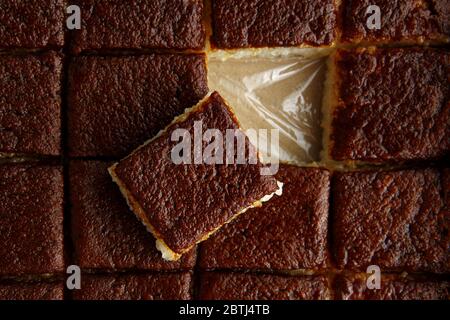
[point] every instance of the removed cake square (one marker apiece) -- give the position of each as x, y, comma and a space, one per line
183, 204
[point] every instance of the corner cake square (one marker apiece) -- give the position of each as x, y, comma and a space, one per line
33, 24
397, 220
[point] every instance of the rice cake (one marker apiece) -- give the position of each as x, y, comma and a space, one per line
402, 22
139, 24
288, 233
183, 204
117, 103
388, 105
168, 286
350, 287
106, 234
397, 220
245, 286
273, 23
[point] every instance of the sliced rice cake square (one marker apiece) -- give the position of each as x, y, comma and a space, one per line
397, 220
33, 24
287, 233
401, 21
388, 105
163, 286
246, 286
30, 108
143, 24
105, 233
31, 220
117, 102
354, 287
273, 23
31, 291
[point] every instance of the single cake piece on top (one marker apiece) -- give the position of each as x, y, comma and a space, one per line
183, 195
401, 21
243, 286
164, 286
397, 220
287, 233
273, 23
388, 105
106, 234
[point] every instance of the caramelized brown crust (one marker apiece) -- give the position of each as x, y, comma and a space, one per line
32, 291
184, 203
397, 220
30, 108
106, 233
170, 286
392, 105
32, 24
117, 103
392, 288
401, 21
31, 219
140, 24
241, 286
287, 233
254, 23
